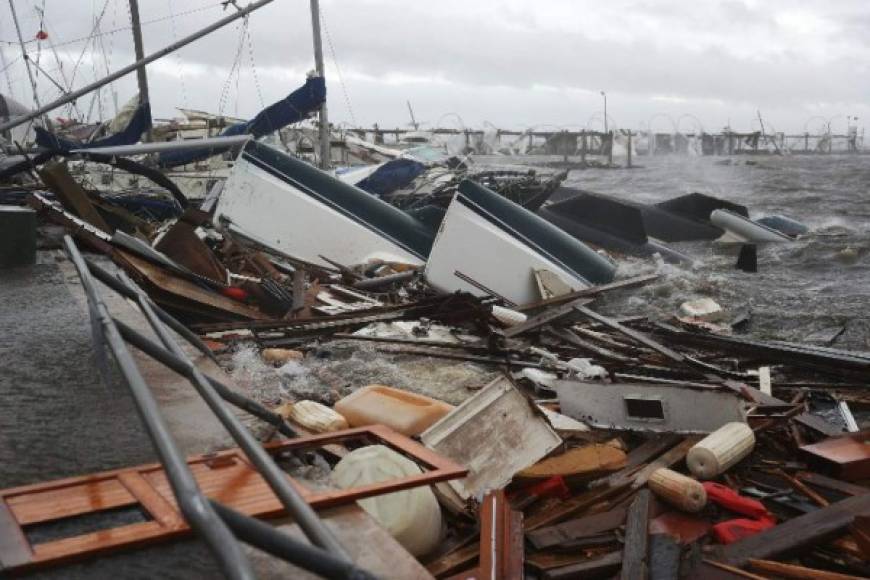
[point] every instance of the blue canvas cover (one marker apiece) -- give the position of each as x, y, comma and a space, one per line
293, 108
139, 123
392, 175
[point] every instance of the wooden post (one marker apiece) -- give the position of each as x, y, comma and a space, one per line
730, 143
564, 143
806, 142
610, 148
628, 158
583, 146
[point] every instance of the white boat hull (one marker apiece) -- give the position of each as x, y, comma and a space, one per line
294, 221
469, 245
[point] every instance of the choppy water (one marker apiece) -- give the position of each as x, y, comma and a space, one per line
818, 282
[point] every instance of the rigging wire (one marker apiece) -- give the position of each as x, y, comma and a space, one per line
123, 28
337, 68
253, 64
236, 62
178, 57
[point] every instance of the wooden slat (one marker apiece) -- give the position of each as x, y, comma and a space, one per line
797, 532
592, 525
634, 562
156, 505
825, 482
53, 504
799, 572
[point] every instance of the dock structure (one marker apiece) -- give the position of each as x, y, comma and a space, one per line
575, 146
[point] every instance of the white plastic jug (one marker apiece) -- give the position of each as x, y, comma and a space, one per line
412, 516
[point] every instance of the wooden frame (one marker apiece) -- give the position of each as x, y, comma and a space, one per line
226, 476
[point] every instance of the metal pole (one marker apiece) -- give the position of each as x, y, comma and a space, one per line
603, 94
165, 357
141, 77
325, 149
26, 58
264, 537
116, 285
295, 505
136, 65
194, 506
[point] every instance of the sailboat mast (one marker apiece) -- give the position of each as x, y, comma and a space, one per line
25, 57
325, 152
131, 67
141, 77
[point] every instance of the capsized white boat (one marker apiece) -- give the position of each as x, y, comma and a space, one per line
739, 229
489, 245
294, 207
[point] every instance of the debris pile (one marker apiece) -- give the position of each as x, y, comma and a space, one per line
576, 445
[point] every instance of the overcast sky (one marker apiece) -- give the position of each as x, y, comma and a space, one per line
509, 63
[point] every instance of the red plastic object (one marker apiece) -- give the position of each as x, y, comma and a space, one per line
732, 501
41, 35
235, 293
737, 529
551, 487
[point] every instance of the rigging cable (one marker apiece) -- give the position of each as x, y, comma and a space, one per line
236, 60
337, 69
178, 56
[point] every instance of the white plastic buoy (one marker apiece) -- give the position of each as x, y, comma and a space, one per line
705, 309
313, 416
411, 516
678, 490
721, 449
507, 316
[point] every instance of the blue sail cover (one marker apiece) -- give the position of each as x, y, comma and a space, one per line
139, 123
392, 175
291, 109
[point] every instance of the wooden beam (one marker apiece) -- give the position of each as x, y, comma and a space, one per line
634, 561
602, 567
571, 530
801, 573
787, 537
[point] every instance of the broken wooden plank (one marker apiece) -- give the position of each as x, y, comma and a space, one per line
546, 317
501, 539
72, 196
664, 557
602, 567
586, 526
798, 532
588, 292
781, 570
634, 561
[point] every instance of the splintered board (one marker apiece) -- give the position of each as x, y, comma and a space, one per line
79, 517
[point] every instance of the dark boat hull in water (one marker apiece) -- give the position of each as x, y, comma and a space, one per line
607, 223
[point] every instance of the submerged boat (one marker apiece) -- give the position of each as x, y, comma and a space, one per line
488, 245
740, 229
687, 218
287, 204
607, 223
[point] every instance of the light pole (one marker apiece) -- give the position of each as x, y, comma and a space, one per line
603, 94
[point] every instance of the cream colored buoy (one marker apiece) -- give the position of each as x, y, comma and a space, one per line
507, 316
721, 449
678, 490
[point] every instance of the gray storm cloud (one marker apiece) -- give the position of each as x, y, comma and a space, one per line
511, 63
